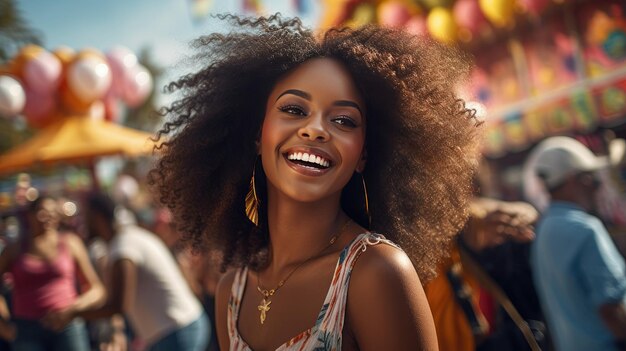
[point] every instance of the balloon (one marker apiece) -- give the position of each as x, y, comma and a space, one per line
71, 102
416, 26
122, 61
39, 109
430, 4
534, 7
138, 86
64, 54
89, 78
441, 25
26, 53
467, 14
393, 14
12, 96
363, 14
43, 73
499, 12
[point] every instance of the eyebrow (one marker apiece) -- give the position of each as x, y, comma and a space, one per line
348, 103
307, 96
296, 92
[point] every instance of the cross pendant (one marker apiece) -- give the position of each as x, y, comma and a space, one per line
264, 307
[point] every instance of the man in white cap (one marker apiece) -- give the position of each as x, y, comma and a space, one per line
580, 275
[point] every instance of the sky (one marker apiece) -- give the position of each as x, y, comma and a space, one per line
165, 26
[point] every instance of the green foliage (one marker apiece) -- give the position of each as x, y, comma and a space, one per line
14, 30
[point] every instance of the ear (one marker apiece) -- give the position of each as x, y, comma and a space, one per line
360, 167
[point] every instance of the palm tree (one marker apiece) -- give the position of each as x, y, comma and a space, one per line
14, 30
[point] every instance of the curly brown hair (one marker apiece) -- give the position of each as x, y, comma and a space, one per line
421, 140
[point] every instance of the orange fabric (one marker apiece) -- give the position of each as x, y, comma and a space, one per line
453, 330
73, 138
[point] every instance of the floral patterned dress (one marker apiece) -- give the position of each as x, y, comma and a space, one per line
327, 331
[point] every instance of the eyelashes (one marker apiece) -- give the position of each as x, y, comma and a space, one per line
341, 120
292, 109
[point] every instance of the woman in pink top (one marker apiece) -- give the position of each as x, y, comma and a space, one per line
45, 265
286, 153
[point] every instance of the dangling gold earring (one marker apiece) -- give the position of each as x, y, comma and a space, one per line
367, 203
252, 201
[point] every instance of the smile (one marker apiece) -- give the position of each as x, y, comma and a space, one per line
308, 162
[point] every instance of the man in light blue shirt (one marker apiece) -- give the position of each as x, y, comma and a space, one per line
579, 274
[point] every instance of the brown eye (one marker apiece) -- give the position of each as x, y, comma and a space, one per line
293, 110
345, 121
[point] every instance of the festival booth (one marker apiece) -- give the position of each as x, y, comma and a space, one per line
71, 100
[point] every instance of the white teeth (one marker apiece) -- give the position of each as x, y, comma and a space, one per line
305, 157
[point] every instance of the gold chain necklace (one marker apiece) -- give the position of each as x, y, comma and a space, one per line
264, 306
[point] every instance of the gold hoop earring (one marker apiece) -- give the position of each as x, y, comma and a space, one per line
367, 203
252, 201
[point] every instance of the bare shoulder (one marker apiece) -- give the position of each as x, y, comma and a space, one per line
387, 307
384, 266
222, 296
225, 283
74, 242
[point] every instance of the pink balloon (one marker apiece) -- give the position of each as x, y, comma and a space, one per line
122, 62
393, 14
138, 86
39, 107
534, 7
416, 26
43, 73
467, 14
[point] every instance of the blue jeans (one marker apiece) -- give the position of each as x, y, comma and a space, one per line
32, 336
193, 337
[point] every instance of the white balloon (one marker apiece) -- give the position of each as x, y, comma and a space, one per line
89, 78
12, 96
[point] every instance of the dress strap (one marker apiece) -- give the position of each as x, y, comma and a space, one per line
331, 318
234, 302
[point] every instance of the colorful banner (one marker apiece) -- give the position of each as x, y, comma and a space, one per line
578, 112
550, 57
602, 28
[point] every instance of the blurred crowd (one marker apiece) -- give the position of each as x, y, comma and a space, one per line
98, 271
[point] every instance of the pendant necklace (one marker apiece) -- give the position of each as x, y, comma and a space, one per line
267, 294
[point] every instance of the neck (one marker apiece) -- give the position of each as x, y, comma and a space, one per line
300, 230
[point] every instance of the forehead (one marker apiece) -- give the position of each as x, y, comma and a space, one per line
321, 78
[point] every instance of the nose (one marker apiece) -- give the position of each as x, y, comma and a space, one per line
314, 129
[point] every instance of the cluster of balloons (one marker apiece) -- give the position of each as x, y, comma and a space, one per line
445, 20
42, 85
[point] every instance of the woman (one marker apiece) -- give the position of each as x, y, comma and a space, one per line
288, 151
45, 264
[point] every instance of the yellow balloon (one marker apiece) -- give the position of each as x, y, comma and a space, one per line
499, 12
441, 25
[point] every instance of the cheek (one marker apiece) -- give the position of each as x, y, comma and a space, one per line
270, 136
352, 149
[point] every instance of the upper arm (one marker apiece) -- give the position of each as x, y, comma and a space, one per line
387, 308
123, 285
83, 263
221, 309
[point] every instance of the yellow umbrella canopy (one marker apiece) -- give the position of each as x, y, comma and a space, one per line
73, 139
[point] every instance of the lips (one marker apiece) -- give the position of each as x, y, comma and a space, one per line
308, 161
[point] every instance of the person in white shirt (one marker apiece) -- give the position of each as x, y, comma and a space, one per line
146, 283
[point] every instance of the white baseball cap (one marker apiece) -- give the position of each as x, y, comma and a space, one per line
560, 157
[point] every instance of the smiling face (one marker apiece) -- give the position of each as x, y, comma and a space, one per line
313, 133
